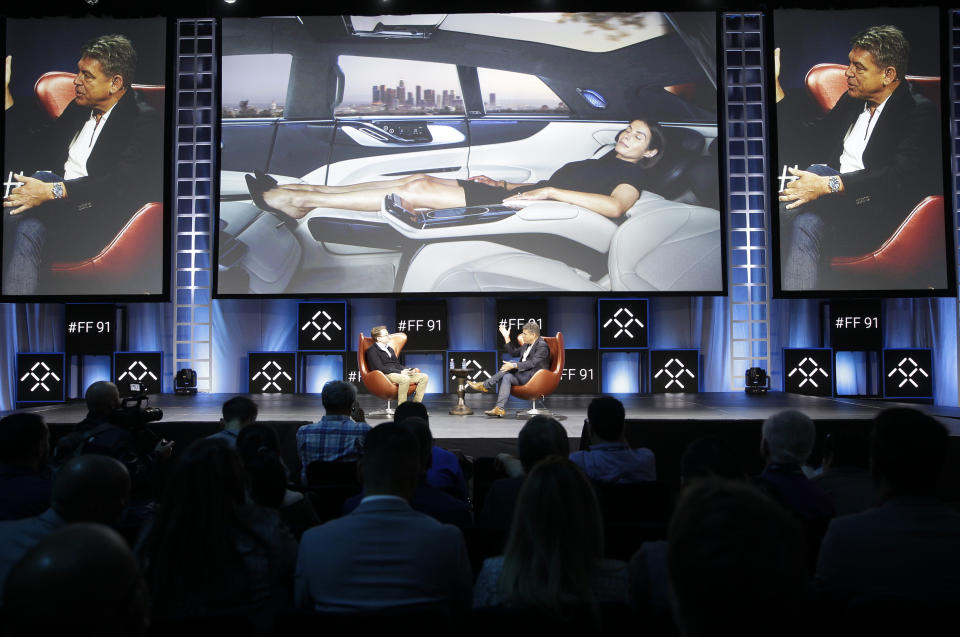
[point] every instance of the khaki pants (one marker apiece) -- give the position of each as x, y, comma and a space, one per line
404, 381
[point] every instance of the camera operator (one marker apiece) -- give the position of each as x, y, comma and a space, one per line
121, 433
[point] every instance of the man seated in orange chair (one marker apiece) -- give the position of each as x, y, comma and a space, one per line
534, 355
92, 166
871, 158
381, 357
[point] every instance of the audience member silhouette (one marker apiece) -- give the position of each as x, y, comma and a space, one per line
79, 580
609, 460
540, 437
268, 477
445, 472
846, 475
238, 412
649, 580
426, 498
786, 443
736, 563
384, 555
90, 488
553, 562
209, 552
336, 437
24, 475
908, 547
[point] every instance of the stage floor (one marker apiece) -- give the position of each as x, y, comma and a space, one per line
716, 407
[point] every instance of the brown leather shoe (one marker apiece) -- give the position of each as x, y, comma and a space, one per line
475, 386
496, 412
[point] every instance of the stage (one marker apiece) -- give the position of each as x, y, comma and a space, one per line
718, 406
666, 423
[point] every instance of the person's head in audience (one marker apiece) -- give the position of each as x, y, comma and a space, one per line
102, 398
540, 437
187, 548
238, 412
907, 452
24, 441
390, 464
555, 539
259, 449
788, 438
709, 457
79, 580
91, 488
736, 562
421, 431
338, 397
846, 447
409, 409
607, 417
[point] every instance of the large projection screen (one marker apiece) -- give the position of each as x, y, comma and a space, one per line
358, 153
84, 130
860, 153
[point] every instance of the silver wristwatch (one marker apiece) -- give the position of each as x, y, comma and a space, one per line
57, 190
834, 183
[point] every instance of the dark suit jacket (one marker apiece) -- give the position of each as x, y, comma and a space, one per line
378, 360
538, 359
125, 169
901, 161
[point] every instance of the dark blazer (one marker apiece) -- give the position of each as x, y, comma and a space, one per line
378, 360
538, 359
125, 169
901, 161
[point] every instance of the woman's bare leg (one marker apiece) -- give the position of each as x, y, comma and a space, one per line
418, 193
370, 185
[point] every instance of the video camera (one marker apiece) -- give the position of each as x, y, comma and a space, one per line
133, 413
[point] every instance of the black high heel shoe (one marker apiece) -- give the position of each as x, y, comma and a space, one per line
266, 180
257, 187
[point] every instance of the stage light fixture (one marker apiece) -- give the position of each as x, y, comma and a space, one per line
185, 382
757, 381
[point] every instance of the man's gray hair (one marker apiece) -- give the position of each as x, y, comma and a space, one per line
115, 54
338, 395
888, 46
789, 436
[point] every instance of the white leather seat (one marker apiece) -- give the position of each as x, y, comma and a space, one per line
666, 245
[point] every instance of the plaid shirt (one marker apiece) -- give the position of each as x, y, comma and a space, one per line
333, 438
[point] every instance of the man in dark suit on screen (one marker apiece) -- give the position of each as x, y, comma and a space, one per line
534, 355
872, 157
92, 167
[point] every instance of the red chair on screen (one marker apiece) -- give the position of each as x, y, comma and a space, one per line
907, 252
130, 259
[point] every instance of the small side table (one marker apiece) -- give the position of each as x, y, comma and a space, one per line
461, 375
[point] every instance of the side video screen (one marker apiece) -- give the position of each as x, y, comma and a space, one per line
83, 164
860, 153
470, 153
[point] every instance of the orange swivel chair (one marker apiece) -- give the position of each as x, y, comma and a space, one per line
376, 381
544, 382
909, 252
136, 252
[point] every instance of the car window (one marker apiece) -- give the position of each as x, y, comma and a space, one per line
255, 85
517, 93
386, 86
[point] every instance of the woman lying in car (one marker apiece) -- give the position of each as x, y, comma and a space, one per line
608, 185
